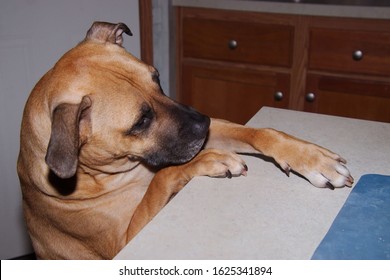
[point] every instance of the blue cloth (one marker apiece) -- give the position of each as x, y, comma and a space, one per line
361, 230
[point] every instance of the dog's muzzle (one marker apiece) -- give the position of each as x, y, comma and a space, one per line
187, 139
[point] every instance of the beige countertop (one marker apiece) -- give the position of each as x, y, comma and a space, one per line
294, 7
265, 215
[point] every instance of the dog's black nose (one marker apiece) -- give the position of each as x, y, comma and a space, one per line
194, 124
197, 122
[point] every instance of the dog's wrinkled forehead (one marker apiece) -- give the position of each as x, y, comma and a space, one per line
111, 34
100, 57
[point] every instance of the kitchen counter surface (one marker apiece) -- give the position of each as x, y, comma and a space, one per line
265, 215
375, 9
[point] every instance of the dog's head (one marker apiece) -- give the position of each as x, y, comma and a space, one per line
109, 112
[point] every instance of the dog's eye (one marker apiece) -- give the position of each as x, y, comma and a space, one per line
143, 122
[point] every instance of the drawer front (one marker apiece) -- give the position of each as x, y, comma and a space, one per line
360, 52
346, 97
232, 94
265, 44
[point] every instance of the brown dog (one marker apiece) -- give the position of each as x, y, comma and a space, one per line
103, 150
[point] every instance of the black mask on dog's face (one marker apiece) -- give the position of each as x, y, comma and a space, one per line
185, 137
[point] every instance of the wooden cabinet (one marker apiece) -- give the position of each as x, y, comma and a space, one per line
349, 68
231, 93
238, 41
230, 64
350, 51
348, 97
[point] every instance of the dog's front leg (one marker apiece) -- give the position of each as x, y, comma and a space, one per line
320, 166
169, 181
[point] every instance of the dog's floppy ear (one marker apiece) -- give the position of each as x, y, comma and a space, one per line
108, 32
63, 149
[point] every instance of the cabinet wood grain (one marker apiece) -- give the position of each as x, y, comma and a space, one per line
350, 51
231, 63
247, 42
349, 97
231, 93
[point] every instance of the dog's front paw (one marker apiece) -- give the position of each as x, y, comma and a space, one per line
218, 163
330, 173
323, 168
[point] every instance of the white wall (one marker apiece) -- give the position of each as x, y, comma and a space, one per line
33, 35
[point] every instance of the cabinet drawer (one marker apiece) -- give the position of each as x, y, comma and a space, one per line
247, 42
364, 52
348, 97
232, 94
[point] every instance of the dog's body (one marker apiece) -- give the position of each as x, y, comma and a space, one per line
103, 150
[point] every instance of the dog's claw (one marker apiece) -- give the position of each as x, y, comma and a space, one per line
244, 172
349, 182
342, 160
229, 174
329, 186
287, 170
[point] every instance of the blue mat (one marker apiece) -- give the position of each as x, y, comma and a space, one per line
361, 230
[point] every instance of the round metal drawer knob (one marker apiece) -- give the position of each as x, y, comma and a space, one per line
278, 96
310, 97
357, 55
233, 44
